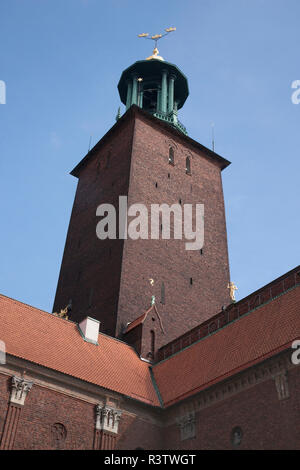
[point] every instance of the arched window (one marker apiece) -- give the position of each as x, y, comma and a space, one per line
162, 294
171, 156
188, 166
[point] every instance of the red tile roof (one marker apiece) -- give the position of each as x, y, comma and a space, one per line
55, 343
232, 312
254, 337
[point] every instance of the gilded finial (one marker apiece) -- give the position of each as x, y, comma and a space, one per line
232, 288
155, 38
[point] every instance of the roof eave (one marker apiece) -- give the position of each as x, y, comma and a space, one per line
135, 110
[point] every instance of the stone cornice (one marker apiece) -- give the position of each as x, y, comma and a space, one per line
78, 389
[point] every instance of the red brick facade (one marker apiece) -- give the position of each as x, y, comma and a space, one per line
186, 374
108, 280
249, 401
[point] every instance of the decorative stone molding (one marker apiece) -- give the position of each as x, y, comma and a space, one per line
282, 385
107, 418
187, 425
19, 390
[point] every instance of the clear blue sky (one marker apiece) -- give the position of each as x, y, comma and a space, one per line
61, 61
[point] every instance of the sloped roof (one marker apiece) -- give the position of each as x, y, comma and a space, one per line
55, 343
254, 337
140, 320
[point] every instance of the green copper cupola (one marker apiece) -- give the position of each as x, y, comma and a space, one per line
156, 86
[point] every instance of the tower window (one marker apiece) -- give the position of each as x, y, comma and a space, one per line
188, 166
156, 185
171, 156
180, 201
201, 251
168, 175
191, 281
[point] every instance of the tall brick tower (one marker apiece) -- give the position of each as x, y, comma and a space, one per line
148, 157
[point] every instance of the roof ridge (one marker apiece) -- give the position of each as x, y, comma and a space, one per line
40, 311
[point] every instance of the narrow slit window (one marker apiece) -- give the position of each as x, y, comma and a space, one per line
91, 297
163, 294
152, 333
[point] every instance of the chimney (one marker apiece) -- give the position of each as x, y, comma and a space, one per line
89, 330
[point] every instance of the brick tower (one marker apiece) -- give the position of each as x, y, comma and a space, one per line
148, 157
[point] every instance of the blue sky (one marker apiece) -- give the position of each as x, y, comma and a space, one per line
61, 61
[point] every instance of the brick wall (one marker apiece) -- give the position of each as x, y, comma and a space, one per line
109, 280
154, 180
266, 421
46, 412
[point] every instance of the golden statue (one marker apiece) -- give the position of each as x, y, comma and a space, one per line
153, 296
64, 312
232, 288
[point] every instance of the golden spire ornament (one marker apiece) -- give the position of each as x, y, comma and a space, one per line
156, 38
